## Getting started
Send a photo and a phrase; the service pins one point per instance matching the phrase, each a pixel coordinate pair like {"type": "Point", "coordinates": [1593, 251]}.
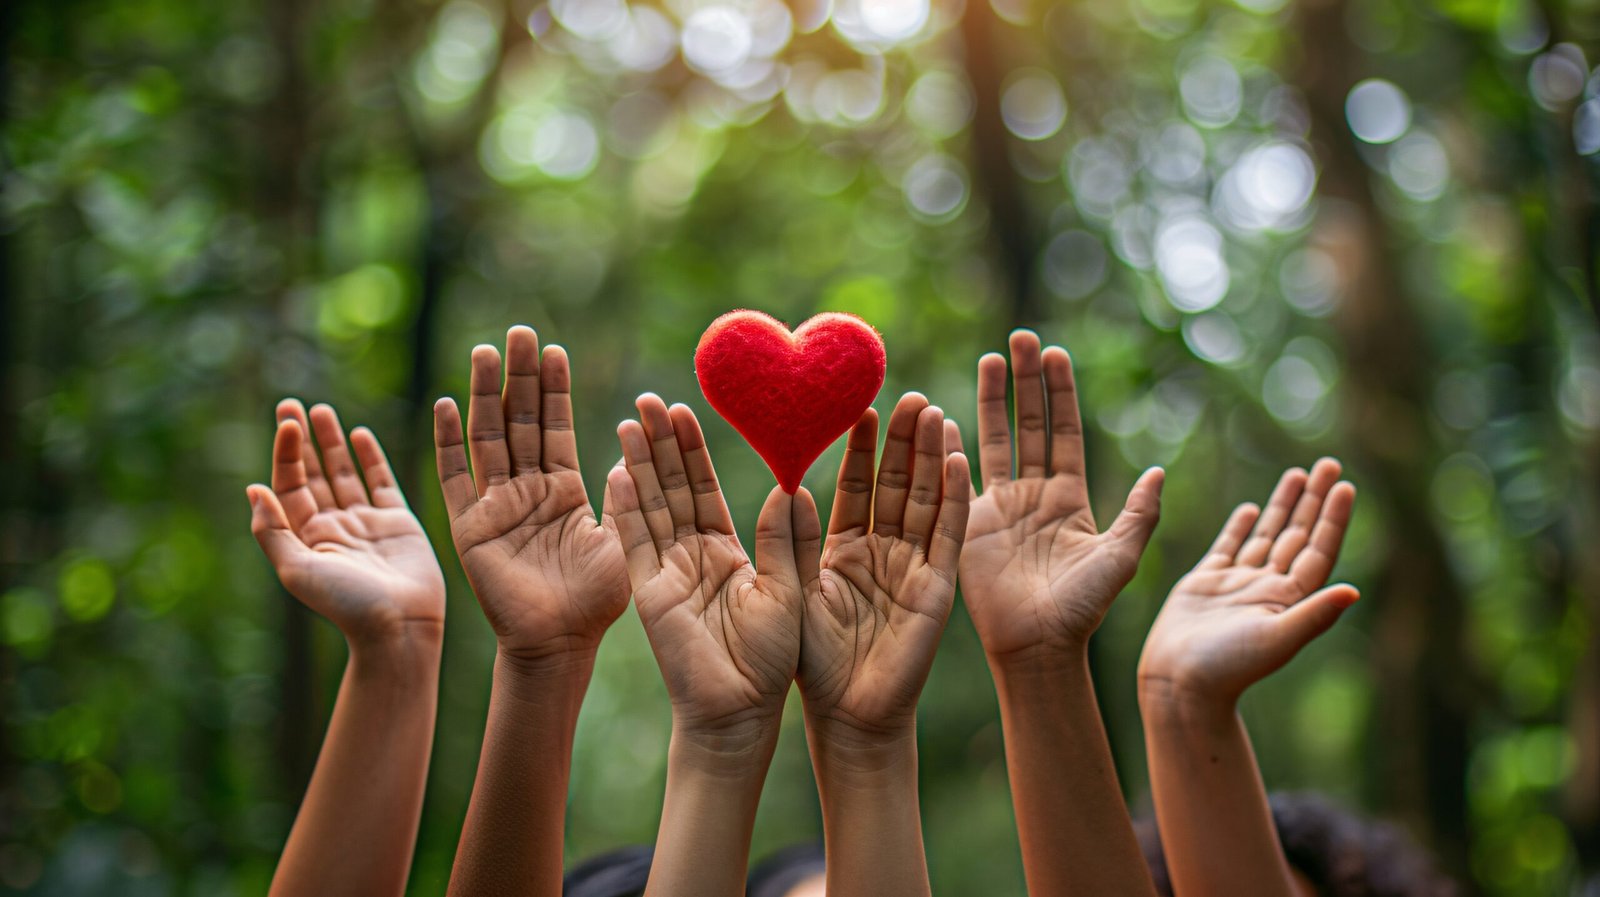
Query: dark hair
{"type": "Point", "coordinates": [619, 873]}
{"type": "Point", "coordinates": [780, 872]}
{"type": "Point", "coordinates": [1343, 854]}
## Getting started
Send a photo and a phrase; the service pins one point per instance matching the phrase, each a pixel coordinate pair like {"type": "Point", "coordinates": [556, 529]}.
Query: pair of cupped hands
{"type": "Point", "coordinates": [853, 615]}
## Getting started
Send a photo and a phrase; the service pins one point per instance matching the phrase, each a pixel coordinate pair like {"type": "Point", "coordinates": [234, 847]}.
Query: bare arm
{"type": "Point", "coordinates": [1254, 601]}
{"type": "Point", "coordinates": [875, 611]}
{"type": "Point", "coordinates": [354, 553]}
{"type": "Point", "coordinates": [1038, 577]}
{"type": "Point", "coordinates": [725, 632]}
{"type": "Point", "coordinates": [549, 577]}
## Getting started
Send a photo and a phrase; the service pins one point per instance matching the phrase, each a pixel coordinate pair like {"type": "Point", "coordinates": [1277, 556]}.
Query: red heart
{"type": "Point", "coordinates": [790, 394]}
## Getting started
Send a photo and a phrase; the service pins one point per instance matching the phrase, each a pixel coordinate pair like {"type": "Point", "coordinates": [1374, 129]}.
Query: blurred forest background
{"type": "Point", "coordinates": [1266, 229]}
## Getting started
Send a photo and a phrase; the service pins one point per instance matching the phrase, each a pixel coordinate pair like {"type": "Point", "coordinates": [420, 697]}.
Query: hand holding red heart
{"type": "Point", "coordinates": [878, 605]}
{"type": "Point", "coordinates": [726, 632]}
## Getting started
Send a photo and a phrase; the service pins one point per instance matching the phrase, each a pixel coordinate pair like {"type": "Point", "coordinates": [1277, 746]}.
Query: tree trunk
{"type": "Point", "coordinates": [1419, 742]}
{"type": "Point", "coordinates": [1016, 237]}
{"type": "Point", "coordinates": [285, 137]}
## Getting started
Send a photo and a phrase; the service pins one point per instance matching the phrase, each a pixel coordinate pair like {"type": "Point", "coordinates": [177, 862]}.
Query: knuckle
{"type": "Point", "coordinates": [893, 479]}
{"type": "Point", "coordinates": [855, 485]}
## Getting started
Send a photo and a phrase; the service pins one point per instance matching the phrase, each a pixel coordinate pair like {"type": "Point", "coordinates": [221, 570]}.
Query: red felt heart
{"type": "Point", "coordinates": [790, 394]}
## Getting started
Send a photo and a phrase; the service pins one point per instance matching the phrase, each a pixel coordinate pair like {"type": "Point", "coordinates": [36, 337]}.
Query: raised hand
{"type": "Point", "coordinates": [551, 580]}
{"type": "Point", "coordinates": [874, 613]}
{"type": "Point", "coordinates": [1254, 601]}
{"type": "Point", "coordinates": [1037, 574]}
{"type": "Point", "coordinates": [878, 605]}
{"type": "Point", "coordinates": [352, 552]}
{"type": "Point", "coordinates": [549, 576]}
{"type": "Point", "coordinates": [726, 633]}
{"type": "Point", "coordinates": [1257, 597]}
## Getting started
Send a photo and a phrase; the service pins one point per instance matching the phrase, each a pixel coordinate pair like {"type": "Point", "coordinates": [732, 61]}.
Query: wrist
{"type": "Point", "coordinates": [1041, 663]}
{"type": "Point", "coordinates": [730, 755]}
{"type": "Point", "coordinates": [551, 686]}
{"type": "Point", "coordinates": [857, 757]}
{"type": "Point", "coordinates": [404, 656]}
{"type": "Point", "coordinates": [1177, 699]}
{"type": "Point", "coordinates": [395, 636]}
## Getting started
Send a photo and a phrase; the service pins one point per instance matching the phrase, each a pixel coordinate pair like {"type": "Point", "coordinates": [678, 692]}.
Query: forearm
{"type": "Point", "coordinates": [871, 817]}
{"type": "Point", "coordinates": [357, 826]}
{"type": "Point", "coordinates": [707, 818]}
{"type": "Point", "coordinates": [1072, 820]}
{"type": "Point", "coordinates": [1211, 805]}
{"type": "Point", "coordinates": [512, 838]}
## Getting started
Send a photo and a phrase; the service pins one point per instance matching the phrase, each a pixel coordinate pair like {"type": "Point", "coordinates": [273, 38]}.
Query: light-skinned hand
{"type": "Point", "coordinates": [351, 551]}
{"type": "Point", "coordinates": [1257, 597]}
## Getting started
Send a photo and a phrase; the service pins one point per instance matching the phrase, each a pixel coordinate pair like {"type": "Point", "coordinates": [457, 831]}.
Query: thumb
{"type": "Point", "coordinates": [270, 525]}
{"type": "Point", "coordinates": [807, 538]}
{"type": "Point", "coordinates": [775, 548]}
{"type": "Point", "coordinates": [1140, 513]}
{"type": "Point", "coordinates": [1314, 615]}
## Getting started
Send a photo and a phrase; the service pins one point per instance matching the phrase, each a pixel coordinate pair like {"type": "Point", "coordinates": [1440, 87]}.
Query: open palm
{"type": "Point", "coordinates": [726, 633]}
{"type": "Point", "coordinates": [1036, 572]}
{"type": "Point", "coordinates": [549, 576]}
{"type": "Point", "coordinates": [360, 559]}
{"type": "Point", "coordinates": [1257, 597]}
{"type": "Point", "coordinates": [879, 603]}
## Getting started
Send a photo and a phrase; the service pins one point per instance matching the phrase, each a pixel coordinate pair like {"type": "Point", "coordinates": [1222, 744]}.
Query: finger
{"type": "Point", "coordinates": [486, 422]}
{"type": "Point", "coordinates": [1306, 511]}
{"type": "Point", "coordinates": [852, 499]}
{"type": "Point", "coordinates": [952, 443]}
{"type": "Point", "coordinates": [521, 399]}
{"type": "Point", "coordinates": [1027, 378]}
{"type": "Point", "coordinates": [560, 450]}
{"type": "Point", "coordinates": [336, 461]}
{"type": "Point", "coordinates": [894, 469]}
{"type": "Point", "coordinates": [1273, 517]}
{"type": "Point", "coordinates": [944, 550]}
{"type": "Point", "coordinates": [1234, 532]}
{"type": "Point", "coordinates": [927, 478]}
{"type": "Point", "coordinates": [270, 525]}
{"type": "Point", "coordinates": [1316, 614]}
{"type": "Point", "coordinates": [670, 471]}
{"type": "Point", "coordinates": [775, 554]}
{"type": "Point", "coordinates": [621, 504]}
{"type": "Point", "coordinates": [710, 507]}
{"type": "Point", "coordinates": [994, 423]}
{"type": "Point", "coordinates": [375, 467]}
{"type": "Point", "coordinates": [641, 467]}
{"type": "Point", "coordinates": [807, 539]}
{"type": "Point", "coordinates": [1314, 565]}
{"type": "Point", "coordinates": [1066, 427]}
{"type": "Point", "coordinates": [289, 479]}
{"type": "Point", "coordinates": [315, 480]}
{"type": "Point", "coordinates": [455, 478]}
{"type": "Point", "coordinates": [1140, 513]}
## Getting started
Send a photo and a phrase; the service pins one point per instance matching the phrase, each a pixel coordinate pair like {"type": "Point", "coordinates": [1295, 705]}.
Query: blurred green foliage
{"type": "Point", "coordinates": [1266, 229]}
